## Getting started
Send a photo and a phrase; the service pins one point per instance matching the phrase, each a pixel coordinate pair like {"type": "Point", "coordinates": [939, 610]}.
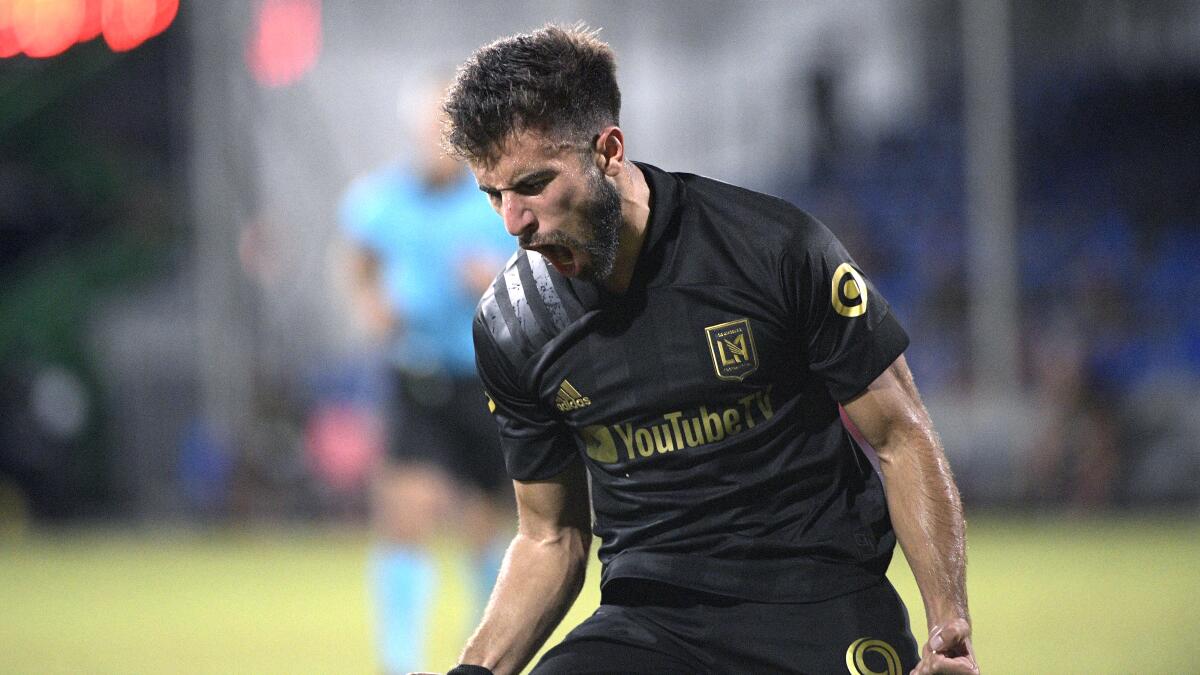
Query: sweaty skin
{"type": "Point", "coordinates": [543, 571]}
{"type": "Point", "coordinates": [926, 512]}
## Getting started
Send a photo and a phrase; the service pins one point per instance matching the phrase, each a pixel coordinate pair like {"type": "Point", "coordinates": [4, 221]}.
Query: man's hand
{"type": "Point", "coordinates": [948, 650]}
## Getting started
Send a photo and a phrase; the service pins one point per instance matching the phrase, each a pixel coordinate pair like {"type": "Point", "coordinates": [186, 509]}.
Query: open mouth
{"type": "Point", "coordinates": [561, 257]}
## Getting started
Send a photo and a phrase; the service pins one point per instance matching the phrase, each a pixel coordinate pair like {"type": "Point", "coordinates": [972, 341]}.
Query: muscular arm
{"type": "Point", "coordinates": [542, 572]}
{"type": "Point", "coordinates": [925, 508]}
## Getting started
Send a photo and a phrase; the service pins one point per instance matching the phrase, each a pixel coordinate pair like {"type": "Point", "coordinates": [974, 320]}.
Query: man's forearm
{"type": "Point", "coordinates": [927, 515]}
{"type": "Point", "coordinates": [537, 584]}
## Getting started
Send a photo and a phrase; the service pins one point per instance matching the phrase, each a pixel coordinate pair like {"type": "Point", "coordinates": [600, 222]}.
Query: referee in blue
{"type": "Point", "coordinates": [423, 246]}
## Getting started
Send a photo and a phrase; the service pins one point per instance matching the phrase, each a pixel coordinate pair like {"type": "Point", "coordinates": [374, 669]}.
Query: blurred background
{"type": "Point", "coordinates": [180, 370]}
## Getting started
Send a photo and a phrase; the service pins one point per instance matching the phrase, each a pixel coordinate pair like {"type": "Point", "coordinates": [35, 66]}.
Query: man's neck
{"type": "Point", "coordinates": [635, 216]}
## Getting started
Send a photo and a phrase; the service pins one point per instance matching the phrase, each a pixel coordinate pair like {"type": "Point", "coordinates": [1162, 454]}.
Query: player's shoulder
{"type": "Point", "coordinates": [527, 305]}
{"type": "Point", "coordinates": [770, 222]}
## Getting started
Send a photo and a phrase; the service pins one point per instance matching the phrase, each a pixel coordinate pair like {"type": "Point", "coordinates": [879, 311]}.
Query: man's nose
{"type": "Point", "coordinates": [518, 218]}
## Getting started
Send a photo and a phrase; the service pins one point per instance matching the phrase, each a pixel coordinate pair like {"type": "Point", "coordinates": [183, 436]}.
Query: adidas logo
{"type": "Point", "coordinates": [568, 398]}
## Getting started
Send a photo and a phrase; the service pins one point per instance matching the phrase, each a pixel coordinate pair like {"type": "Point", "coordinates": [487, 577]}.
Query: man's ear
{"type": "Point", "coordinates": [610, 151]}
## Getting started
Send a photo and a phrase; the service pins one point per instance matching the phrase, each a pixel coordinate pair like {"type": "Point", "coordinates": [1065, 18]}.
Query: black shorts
{"type": "Point", "coordinates": [649, 627]}
{"type": "Point", "coordinates": [444, 421]}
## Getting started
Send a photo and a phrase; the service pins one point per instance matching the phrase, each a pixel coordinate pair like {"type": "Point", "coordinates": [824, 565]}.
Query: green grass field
{"type": "Point", "coordinates": [1048, 596]}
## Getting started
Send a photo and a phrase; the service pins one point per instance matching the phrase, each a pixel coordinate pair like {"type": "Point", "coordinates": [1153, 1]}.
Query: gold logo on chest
{"type": "Point", "coordinates": [731, 345]}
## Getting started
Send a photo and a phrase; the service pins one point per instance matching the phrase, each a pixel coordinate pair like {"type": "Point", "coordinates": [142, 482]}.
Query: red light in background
{"type": "Point", "coordinates": [126, 23]}
{"type": "Point", "coordinates": [164, 14]}
{"type": "Point", "coordinates": [285, 41]}
{"type": "Point", "coordinates": [91, 21]}
{"type": "Point", "coordinates": [129, 23]}
{"type": "Point", "coordinates": [8, 41]}
{"type": "Point", "coordinates": [45, 28]}
{"type": "Point", "coordinates": [343, 442]}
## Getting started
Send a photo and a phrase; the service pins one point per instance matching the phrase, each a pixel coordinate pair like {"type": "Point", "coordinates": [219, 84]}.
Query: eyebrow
{"type": "Point", "coordinates": [523, 181]}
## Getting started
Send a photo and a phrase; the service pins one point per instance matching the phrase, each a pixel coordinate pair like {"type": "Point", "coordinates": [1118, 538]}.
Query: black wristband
{"type": "Point", "coordinates": [467, 669]}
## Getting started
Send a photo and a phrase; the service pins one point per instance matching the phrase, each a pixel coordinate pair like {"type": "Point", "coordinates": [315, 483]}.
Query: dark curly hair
{"type": "Point", "coordinates": [559, 80]}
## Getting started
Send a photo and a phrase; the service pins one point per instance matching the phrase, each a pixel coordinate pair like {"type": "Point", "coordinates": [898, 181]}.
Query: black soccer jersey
{"type": "Point", "coordinates": [703, 401]}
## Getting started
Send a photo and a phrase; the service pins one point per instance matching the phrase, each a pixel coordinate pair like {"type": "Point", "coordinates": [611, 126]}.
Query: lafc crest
{"type": "Point", "coordinates": [732, 347]}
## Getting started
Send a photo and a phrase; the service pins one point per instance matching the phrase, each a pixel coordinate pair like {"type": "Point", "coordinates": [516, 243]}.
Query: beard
{"type": "Point", "coordinates": [602, 220]}
{"type": "Point", "coordinates": [602, 213]}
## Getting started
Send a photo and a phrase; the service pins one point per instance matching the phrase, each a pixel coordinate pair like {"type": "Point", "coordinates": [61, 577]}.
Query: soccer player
{"type": "Point", "coordinates": [682, 346]}
{"type": "Point", "coordinates": [423, 247]}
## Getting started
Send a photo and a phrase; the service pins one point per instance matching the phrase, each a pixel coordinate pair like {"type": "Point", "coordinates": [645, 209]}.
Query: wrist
{"type": "Point", "coordinates": [943, 612]}
{"type": "Point", "coordinates": [469, 669]}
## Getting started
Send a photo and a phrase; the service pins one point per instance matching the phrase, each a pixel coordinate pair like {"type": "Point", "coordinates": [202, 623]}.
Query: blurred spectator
{"type": "Point", "coordinates": [1075, 456]}
{"type": "Point", "coordinates": [1109, 248]}
{"type": "Point", "coordinates": [425, 245]}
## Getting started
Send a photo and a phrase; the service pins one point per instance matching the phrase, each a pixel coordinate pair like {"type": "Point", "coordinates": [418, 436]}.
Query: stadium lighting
{"type": "Point", "coordinates": [285, 41]}
{"type": "Point", "coordinates": [47, 28]}
{"type": "Point", "coordinates": [128, 23]}
{"type": "Point", "coordinates": [92, 24]}
{"type": "Point", "coordinates": [8, 40]}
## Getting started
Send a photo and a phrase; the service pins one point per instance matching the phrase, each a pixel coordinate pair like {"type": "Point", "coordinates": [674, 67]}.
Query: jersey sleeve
{"type": "Point", "coordinates": [849, 333]}
{"type": "Point", "coordinates": [536, 445]}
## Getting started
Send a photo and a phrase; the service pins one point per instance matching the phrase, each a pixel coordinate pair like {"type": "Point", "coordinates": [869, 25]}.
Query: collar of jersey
{"type": "Point", "coordinates": [664, 198]}
{"type": "Point", "coordinates": [664, 202]}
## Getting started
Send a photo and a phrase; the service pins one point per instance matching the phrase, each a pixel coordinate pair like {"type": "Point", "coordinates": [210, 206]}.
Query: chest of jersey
{"type": "Point", "coordinates": [670, 375]}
